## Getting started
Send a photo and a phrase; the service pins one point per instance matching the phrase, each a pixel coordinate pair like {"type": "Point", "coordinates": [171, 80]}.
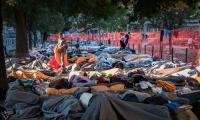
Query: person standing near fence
{"type": "Point", "coordinates": [127, 36]}
{"type": "Point", "coordinates": [122, 44]}
{"type": "Point", "coordinates": [77, 46]}
{"type": "Point", "coordinates": [124, 41]}
{"type": "Point", "coordinates": [109, 42]}
{"type": "Point", "coordinates": [60, 53]}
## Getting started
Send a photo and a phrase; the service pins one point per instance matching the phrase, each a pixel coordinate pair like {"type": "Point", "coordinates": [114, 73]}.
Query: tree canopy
{"type": "Point", "coordinates": [57, 15]}
{"type": "Point", "coordinates": [51, 15]}
{"type": "Point", "coordinates": [111, 15]}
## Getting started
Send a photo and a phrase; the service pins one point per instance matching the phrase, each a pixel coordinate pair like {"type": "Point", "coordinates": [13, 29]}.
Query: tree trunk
{"type": "Point", "coordinates": [41, 36]}
{"type": "Point", "coordinates": [30, 40]}
{"type": "Point", "coordinates": [41, 41]}
{"type": "Point", "coordinates": [21, 34]}
{"type": "Point", "coordinates": [3, 79]}
{"type": "Point", "coordinates": [35, 39]}
{"type": "Point", "coordinates": [44, 38]}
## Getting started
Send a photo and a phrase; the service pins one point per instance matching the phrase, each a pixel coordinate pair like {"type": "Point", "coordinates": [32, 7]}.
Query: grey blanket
{"type": "Point", "coordinates": [115, 109]}
{"type": "Point", "coordinates": [61, 107]}
{"type": "Point", "coordinates": [23, 105]}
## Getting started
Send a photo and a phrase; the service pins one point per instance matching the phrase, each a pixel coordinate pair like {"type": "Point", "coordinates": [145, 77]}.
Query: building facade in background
{"type": "Point", "coordinates": [9, 39]}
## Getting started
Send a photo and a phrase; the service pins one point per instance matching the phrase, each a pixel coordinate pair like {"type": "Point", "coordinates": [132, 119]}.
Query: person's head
{"type": "Point", "coordinates": [63, 38]}
{"type": "Point", "coordinates": [60, 35]}
{"type": "Point", "coordinates": [48, 38]}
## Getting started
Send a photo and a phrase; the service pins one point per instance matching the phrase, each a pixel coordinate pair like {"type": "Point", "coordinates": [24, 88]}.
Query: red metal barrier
{"type": "Point", "coordinates": [179, 41]}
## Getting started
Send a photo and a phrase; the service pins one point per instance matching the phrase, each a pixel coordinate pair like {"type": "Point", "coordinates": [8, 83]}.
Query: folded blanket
{"type": "Point", "coordinates": [116, 87]}
{"type": "Point", "coordinates": [115, 109]}
{"type": "Point", "coordinates": [23, 105]}
{"type": "Point", "coordinates": [61, 107]}
{"type": "Point", "coordinates": [29, 74]}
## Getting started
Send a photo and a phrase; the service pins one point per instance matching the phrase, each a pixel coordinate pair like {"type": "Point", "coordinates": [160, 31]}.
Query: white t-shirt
{"type": "Point", "coordinates": [122, 38]}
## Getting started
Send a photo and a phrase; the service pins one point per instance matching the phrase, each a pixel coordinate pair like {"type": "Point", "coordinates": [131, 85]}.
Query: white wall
{"type": "Point", "coordinates": [9, 38]}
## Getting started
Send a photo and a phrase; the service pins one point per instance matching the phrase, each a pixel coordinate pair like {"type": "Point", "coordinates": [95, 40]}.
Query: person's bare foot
{"type": "Point", "coordinates": [59, 73]}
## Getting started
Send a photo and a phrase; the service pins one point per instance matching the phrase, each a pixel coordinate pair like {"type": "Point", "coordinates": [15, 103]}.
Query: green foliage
{"type": "Point", "coordinates": [196, 11]}
{"type": "Point", "coordinates": [10, 2]}
{"type": "Point", "coordinates": [56, 15]}
{"type": "Point", "coordinates": [152, 8]}
{"type": "Point", "coordinates": [115, 23]}
{"type": "Point", "coordinates": [174, 18]}
{"type": "Point", "coordinates": [49, 21]}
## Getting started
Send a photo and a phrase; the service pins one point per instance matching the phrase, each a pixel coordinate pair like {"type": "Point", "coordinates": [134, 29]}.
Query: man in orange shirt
{"type": "Point", "coordinates": [61, 53]}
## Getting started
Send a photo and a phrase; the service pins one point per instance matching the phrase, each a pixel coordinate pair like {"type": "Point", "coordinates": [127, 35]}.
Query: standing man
{"type": "Point", "coordinates": [122, 44]}
{"type": "Point", "coordinates": [127, 36]}
{"type": "Point", "coordinates": [77, 46]}
{"type": "Point", "coordinates": [124, 40]}
{"type": "Point", "coordinates": [109, 42]}
{"type": "Point", "coordinates": [61, 52]}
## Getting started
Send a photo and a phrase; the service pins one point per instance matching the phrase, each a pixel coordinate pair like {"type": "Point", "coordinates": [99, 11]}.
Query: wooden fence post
{"type": "Point", "coordinates": [172, 54]}
{"type": "Point", "coordinates": [186, 55]}
{"type": "Point", "coordinates": [152, 51]}
{"type": "Point", "coordinates": [161, 53]}
{"type": "Point", "coordinates": [139, 49]}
